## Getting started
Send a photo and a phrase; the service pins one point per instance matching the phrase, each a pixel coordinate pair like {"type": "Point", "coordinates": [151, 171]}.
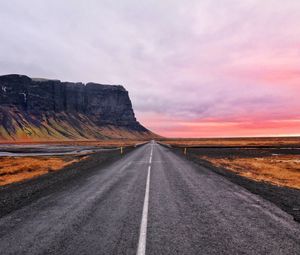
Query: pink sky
{"type": "Point", "coordinates": [193, 69]}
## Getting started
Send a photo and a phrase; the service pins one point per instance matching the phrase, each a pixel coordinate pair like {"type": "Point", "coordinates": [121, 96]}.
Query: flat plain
{"type": "Point", "coordinates": [23, 161]}
{"type": "Point", "coordinates": [275, 160]}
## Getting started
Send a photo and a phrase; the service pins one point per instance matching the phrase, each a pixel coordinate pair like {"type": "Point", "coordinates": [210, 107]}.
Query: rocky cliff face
{"type": "Point", "coordinates": [35, 108]}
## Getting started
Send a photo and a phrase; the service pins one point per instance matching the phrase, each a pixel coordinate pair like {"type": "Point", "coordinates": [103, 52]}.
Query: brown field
{"type": "Point", "coordinates": [279, 170]}
{"type": "Point", "coordinates": [14, 169]}
{"type": "Point", "coordinates": [275, 160]}
{"type": "Point", "coordinates": [100, 143]}
{"type": "Point", "coordinates": [256, 141]}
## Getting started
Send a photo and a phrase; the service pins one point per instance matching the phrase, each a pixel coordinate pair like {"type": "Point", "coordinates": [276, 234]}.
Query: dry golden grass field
{"type": "Point", "coordinates": [14, 169]}
{"type": "Point", "coordinates": [256, 141]}
{"type": "Point", "coordinates": [278, 170]}
{"type": "Point", "coordinates": [274, 160]}
{"type": "Point", "coordinates": [100, 143]}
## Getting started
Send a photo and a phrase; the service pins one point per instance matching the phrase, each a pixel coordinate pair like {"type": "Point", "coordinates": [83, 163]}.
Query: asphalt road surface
{"type": "Point", "coordinates": [152, 201]}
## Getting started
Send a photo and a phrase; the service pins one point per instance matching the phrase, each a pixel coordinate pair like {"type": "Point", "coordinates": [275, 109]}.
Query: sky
{"type": "Point", "coordinates": [199, 68]}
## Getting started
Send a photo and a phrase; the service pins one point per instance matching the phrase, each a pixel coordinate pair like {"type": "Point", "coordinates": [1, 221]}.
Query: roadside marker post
{"type": "Point", "coordinates": [121, 149]}
{"type": "Point", "coordinates": [184, 151]}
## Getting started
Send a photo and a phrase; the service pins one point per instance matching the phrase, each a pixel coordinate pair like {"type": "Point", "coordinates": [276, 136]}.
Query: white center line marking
{"type": "Point", "coordinates": [150, 159]}
{"type": "Point", "coordinates": [143, 230]}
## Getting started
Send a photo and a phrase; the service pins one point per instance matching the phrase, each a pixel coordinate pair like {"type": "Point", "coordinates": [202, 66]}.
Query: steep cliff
{"type": "Point", "coordinates": [40, 109]}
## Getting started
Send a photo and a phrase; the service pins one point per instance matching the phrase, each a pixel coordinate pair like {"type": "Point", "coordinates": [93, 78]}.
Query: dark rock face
{"type": "Point", "coordinates": [102, 104]}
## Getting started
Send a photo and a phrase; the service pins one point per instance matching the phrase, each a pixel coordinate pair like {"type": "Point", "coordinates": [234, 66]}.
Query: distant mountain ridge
{"type": "Point", "coordinates": [42, 109]}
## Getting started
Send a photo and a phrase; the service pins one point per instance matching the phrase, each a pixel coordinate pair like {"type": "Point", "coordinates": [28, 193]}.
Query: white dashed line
{"type": "Point", "coordinates": [143, 230]}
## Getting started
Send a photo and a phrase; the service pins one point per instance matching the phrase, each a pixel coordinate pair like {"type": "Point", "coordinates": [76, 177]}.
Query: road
{"type": "Point", "coordinates": [152, 201]}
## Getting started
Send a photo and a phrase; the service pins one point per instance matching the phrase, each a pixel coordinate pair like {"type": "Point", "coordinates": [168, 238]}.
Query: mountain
{"type": "Point", "coordinates": [41, 109]}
